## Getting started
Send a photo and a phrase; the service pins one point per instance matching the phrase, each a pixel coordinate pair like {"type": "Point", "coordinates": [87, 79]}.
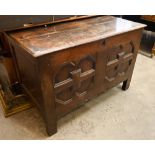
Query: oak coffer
{"type": "Point", "coordinates": [62, 66]}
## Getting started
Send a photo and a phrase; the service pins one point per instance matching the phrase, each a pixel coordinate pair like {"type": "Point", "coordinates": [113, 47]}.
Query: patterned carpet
{"type": "Point", "coordinates": [116, 114]}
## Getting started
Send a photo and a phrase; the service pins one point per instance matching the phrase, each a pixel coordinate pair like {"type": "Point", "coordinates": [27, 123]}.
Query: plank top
{"type": "Point", "coordinates": [46, 39]}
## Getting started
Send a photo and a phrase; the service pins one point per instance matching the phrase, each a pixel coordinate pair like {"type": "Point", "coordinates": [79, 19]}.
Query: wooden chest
{"type": "Point", "coordinates": [64, 65]}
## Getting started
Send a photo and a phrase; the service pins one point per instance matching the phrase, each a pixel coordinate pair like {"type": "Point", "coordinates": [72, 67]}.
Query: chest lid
{"type": "Point", "coordinates": [46, 39]}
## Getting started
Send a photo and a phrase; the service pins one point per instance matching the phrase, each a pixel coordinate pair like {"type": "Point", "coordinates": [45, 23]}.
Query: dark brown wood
{"type": "Point", "coordinates": [148, 17]}
{"type": "Point", "coordinates": [65, 65]}
{"type": "Point", "coordinates": [15, 102]}
{"type": "Point", "coordinates": [12, 22]}
{"type": "Point", "coordinates": [47, 95]}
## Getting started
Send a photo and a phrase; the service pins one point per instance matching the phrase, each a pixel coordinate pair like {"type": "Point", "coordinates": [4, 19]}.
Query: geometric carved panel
{"type": "Point", "coordinates": [87, 65]}
{"type": "Point", "coordinates": [119, 61]}
{"type": "Point", "coordinates": [73, 79]}
{"type": "Point", "coordinates": [63, 73]}
{"type": "Point", "coordinates": [64, 83]}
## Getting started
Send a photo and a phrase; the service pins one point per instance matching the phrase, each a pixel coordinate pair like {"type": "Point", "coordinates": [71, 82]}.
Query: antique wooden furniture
{"type": "Point", "coordinates": [62, 66]}
{"type": "Point", "coordinates": [12, 96]}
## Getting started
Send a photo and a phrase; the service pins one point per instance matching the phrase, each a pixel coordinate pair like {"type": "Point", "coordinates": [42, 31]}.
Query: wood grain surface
{"type": "Point", "coordinates": [45, 39]}
{"type": "Point", "coordinates": [62, 66]}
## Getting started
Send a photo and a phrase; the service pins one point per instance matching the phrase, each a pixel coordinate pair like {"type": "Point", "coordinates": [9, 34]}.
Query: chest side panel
{"type": "Point", "coordinates": [27, 71]}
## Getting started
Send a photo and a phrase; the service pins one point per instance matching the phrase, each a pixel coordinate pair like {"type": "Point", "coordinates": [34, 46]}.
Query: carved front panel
{"type": "Point", "coordinates": [119, 61]}
{"type": "Point", "coordinates": [73, 80]}
{"type": "Point", "coordinates": [64, 83]}
{"type": "Point", "coordinates": [87, 66]}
